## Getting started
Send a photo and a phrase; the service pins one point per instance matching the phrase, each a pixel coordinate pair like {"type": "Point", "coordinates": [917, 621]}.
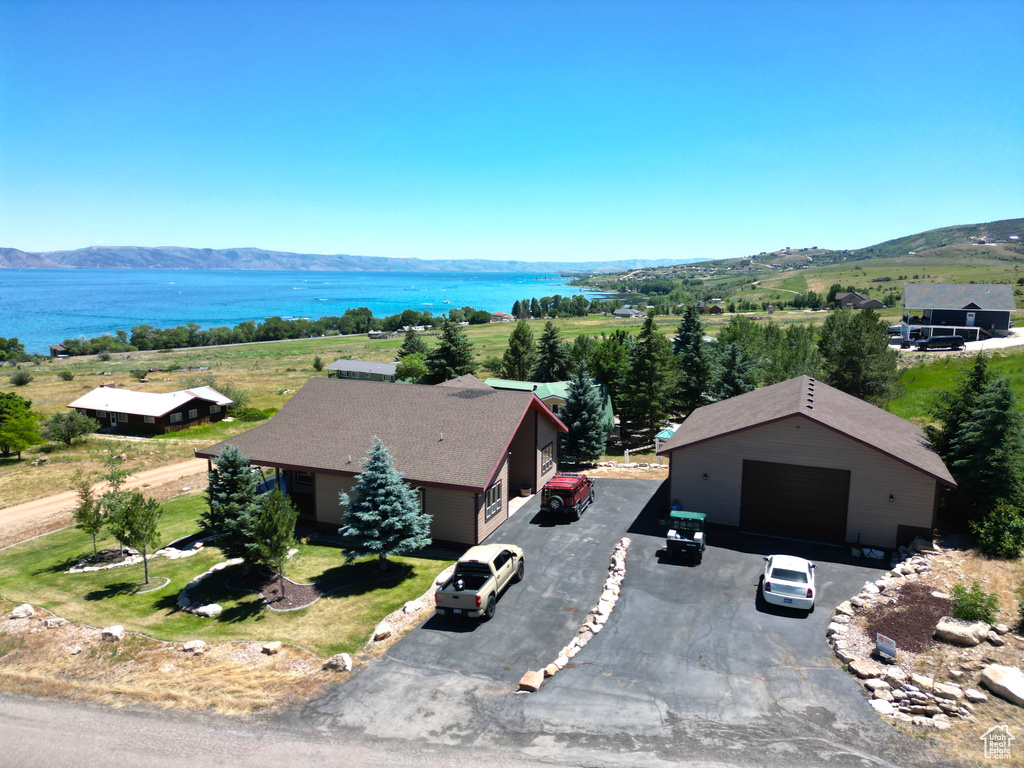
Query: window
{"type": "Point", "coordinates": [303, 478]}
{"type": "Point", "coordinates": [175, 418]}
{"type": "Point", "coordinates": [101, 414]}
{"type": "Point", "coordinates": [149, 419]}
{"type": "Point", "coordinates": [420, 497]}
{"type": "Point", "coordinates": [214, 408]}
{"type": "Point", "coordinates": [555, 408]}
{"type": "Point", "coordinates": [193, 412]}
{"type": "Point", "coordinates": [122, 417]}
{"type": "Point", "coordinates": [492, 501]}
{"type": "Point", "coordinates": [366, 374]}
{"type": "Point", "coordinates": [547, 457]}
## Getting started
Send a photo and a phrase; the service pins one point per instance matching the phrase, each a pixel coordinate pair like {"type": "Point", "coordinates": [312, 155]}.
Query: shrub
{"type": "Point", "coordinates": [105, 357]}
{"type": "Point", "coordinates": [139, 374]}
{"type": "Point", "coordinates": [318, 364]}
{"type": "Point", "coordinates": [254, 414]}
{"type": "Point", "coordinates": [20, 378]}
{"type": "Point", "coordinates": [974, 604]}
{"type": "Point", "coordinates": [67, 375]}
{"type": "Point", "coordinates": [1001, 532]}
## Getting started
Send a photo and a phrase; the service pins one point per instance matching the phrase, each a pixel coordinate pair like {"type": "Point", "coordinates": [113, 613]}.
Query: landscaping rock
{"type": "Point", "coordinates": [947, 691]}
{"type": "Point", "coordinates": [339, 662]}
{"type": "Point", "coordinates": [561, 661]}
{"type": "Point", "coordinates": [857, 602]}
{"type": "Point", "coordinates": [975, 696]}
{"type": "Point", "coordinates": [995, 639]}
{"type": "Point", "coordinates": [1002, 629]}
{"type": "Point", "coordinates": [23, 611]}
{"type": "Point", "coordinates": [968, 633]}
{"type": "Point", "coordinates": [76, 650]}
{"type": "Point", "coordinates": [865, 668]}
{"type": "Point", "coordinates": [382, 632]}
{"type": "Point", "coordinates": [531, 681]}
{"type": "Point", "coordinates": [211, 610]}
{"type": "Point", "coordinates": [882, 707]}
{"type": "Point", "coordinates": [922, 682]}
{"type": "Point", "coordinates": [54, 622]}
{"type": "Point", "coordinates": [876, 684]}
{"type": "Point", "coordinates": [1007, 682]}
{"type": "Point", "coordinates": [550, 670]}
{"type": "Point", "coordinates": [835, 629]}
{"type": "Point", "coordinates": [195, 647]}
{"type": "Point", "coordinates": [845, 608]}
{"type": "Point", "coordinates": [112, 634]}
{"type": "Point", "coordinates": [272, 648]}
{"type": "Point", "coordinates": [895, 676]}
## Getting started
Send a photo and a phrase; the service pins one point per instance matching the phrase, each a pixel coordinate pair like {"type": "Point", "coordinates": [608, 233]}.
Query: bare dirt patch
{"type": "Point", "coordinates": [911, 620]}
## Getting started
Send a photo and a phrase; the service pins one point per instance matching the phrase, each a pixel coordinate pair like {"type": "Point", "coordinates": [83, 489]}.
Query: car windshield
{"type": "Point", "coordinates": [785, 574]}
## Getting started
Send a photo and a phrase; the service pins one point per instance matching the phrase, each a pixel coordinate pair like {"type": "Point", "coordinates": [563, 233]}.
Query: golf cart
{"type": "Point", "coordinates": [685, 535]}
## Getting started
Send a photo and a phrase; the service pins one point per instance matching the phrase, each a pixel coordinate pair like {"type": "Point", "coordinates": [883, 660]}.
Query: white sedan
{"type": "Point", "coordinates": [788, 581]}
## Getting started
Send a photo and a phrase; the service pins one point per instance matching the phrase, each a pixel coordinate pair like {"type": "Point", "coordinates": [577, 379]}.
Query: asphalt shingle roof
{"type": "Point", "coordinates": [807, 398]}
{"type": "Point", "coordinates": [145, 403]}
{"type": "Point", "coordinates": [957, 296]}
{"type": "Point", "coordinates": [449, 436]}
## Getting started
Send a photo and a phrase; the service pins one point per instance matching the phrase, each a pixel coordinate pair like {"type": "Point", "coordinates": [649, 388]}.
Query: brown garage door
{"type": "Point", "coordinates": [795, 501]}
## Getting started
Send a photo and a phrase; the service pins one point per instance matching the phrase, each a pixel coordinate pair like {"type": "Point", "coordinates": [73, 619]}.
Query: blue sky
{"type": "Point", "coordinates": [506, 130]}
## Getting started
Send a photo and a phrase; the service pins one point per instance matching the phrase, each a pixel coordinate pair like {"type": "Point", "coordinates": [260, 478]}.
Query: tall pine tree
{"type": "Point", "coordinates": [647, 399]}
{"type": "Point", "coordinates": [953, 408]}
{"type": "Point", "coordinates": [694, 363]}
{"type": "Point", "coordinates": [552, 356]}
{"type": "Point", "coordinates": [736, 372]}
{"type": "Point", "coordinates": [856, 357]}
{"type": "Point", "coordinates": [585, 417]}
{"type": "Point", "coordinates": [384, 517]}
{"type": "Point", "coordinates": [452, 357]}
{"type": "Point", "coordinates": [231, 493]}
{"type": "Point", "coordinates": [412, 344]}
{"type": "Point", "coordinates": [521, 355]}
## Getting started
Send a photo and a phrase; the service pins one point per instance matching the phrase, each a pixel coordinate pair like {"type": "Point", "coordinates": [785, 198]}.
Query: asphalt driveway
{"type": "Point", "coordinates": [691, 667]}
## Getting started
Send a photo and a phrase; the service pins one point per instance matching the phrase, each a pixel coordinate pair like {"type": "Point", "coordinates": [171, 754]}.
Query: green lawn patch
{"type": "Point", "coordinates": [33, 572]}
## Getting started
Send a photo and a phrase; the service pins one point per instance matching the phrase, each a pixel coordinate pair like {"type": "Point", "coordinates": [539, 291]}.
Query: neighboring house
{"type": "Point", "coordinates": [465, 449]}
{"type": "Point", "coordinates": [554, 393]}
{"type": "Point", "coordinates": [361, 369]}
{"type": "Point", "coordinates": [58, 350]}
{"type": "Point", "coordinates": [501, 317]}
{"type": "Point", "coordinates": [802, 460]}
{"type": "Point", "coordinates": [944, 309]}
{"type": "Point", "coordinates": [625, 313]}
{"type": "Point", "coordinates": [703, 308]}
{"type": "Point", "coordinates": [152, 413]}
{"type": "Point", "coordinates": [857, 300]}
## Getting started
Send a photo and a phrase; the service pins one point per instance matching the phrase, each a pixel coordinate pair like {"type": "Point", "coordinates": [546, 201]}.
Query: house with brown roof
{"type": "Point", "coordinates": [803, 460]}
{"type": "Point", "coordinates": [152, 413]}
{"type": "Point", "coordinates": [466, 449]}
{"type": "Point", "coordinates": [857, 300]}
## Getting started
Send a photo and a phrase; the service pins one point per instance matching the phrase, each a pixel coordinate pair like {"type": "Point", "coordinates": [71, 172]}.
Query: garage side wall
{"type": "Point", "coordinates": [328, 510]}
{"type": "Point", "coordinates": [871, 518]}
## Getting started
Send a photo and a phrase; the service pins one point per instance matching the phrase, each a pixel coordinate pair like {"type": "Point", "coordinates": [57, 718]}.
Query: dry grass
{"type": "Point", "coordinates": [230, 678]}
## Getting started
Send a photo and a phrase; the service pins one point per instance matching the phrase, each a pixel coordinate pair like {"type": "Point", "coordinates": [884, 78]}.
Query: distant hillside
{"type": "Point", "coordinates": [174, 257]}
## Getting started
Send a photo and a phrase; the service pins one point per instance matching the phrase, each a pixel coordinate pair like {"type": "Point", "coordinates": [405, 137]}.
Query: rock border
{"type": "Point", "coordinates": [592, 624]}
{"type": "Point", "coordinates": [895, 694]}
{"type": "Point", "coordinates": [169, 552]}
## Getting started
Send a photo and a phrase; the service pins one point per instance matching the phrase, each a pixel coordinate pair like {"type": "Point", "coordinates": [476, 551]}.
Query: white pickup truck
{"type": "Point", "coordinates": [480, 576]}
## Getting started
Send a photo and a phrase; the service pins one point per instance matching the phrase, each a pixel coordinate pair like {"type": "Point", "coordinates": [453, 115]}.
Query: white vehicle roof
{"type": "Point", "coordinates": [790, 563]}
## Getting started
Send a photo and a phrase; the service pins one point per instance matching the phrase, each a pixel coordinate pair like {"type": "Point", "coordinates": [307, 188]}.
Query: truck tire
{"type": "Point", "coordinates": [555, 503]}
{"type": "Point", "coordinates": [520, 571]}
{"type": "Point", "coordinates": [489, 610]}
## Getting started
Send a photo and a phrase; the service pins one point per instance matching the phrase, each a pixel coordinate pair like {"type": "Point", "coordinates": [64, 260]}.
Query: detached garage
{"type": "Point", "coordinates": [803, 460]}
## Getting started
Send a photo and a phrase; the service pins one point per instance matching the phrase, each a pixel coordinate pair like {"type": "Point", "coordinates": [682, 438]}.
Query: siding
{"type": "Point", "coordinates": [328, 509]}
{"type": "Point", "coordinates": [453, 513]}
{"type": "Point", "coordinates": [546, 433]}
{"type": "Point", "coordinates": [487, 527]}
{"type": "Point", "coordinates": [523, 472]}
{"type": "Point", "coordinates": [871, 519]}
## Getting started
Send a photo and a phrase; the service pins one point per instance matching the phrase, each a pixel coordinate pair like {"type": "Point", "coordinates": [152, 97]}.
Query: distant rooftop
{"type": "Point", "coordinates": [363, 366]}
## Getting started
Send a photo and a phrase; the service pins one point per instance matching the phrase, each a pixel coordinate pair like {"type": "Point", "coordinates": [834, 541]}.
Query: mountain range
{"type": "Point", "coordinates": [175, 257]}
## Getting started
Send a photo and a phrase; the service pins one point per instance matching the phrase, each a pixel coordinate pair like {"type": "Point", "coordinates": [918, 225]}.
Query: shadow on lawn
{"type": "Point", "coordinates": [112, 590]}
{"type": "Point", "coordinates": [60, 566]}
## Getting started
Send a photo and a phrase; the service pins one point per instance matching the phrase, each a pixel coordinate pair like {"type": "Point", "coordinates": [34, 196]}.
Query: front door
{"type": "Point", "coordinates": [970, 319]}
{"type": "Point", "coordinates": [113, 419]}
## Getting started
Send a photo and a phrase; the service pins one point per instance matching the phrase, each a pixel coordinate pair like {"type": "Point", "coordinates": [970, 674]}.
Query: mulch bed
{"type": "Point", "coordinates": [911, 620]}
{"type": "Point", "coordinates": [300, 595]}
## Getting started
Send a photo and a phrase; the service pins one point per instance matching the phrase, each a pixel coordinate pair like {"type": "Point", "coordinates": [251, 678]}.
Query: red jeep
{"type": "Point", "coordinates": [567, 493]}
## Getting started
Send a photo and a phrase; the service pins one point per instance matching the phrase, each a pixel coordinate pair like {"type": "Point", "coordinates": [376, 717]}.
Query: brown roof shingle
{"type": "Point", "coordinates": [449, 436]}
{"type": "Point", "coordinates": [805, 397]}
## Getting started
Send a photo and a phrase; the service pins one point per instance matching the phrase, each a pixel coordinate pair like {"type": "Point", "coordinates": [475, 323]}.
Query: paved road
{"type": "Point", "coordinates": [62, 502]}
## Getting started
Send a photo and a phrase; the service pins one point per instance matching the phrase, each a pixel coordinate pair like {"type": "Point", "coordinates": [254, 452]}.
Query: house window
{"type": "Point", "coordinates": [193, 412]}
{"type": "Point", "coordinates": [366, 374]}
{"type": "Point", "coordinates": [555, 407]}
{"type": "Point", "coordinates": [303, 478]}
{"type": "Point", "coordinates": [175, 418]}
{"type": "Point", "coordinates": [492, 501]}
{"type": "Point", "coordinates": [149, 419]}
{"type": "Point", "coordinates": [214, 408]}
{"type": "Point", "coordinates": [122, 417]}
{"type": "Point", "coordinates": [101, 414]}
{"type": "Point", "coordinates": [547, 457]}
{"type": "Point", "coordinates": [420, 498]}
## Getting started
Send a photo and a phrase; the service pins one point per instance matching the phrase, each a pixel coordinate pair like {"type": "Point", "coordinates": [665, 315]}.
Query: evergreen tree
{"type": "Point", "coordinates": [953, 408]}
{"type": "Point", "coordinates": [452, 357]}
{"type": "Point", "coordinates": [412, 344]}
{"type": "Point", "coordinates": [582, 350]}
{"type": "Point", "coordinates": [88, 513]}
{"type": "Point", "coordinates": [552, 356]}
{"type": "Point", "coordinates": [987, 452]}
{"type": "Point", "coordinates": [274, 531]}
{"type": "Point", "coordinates": [521, 355]}
{"type": "Point", "coordinates": [517, 310]}
{"type": "Point", "coordinates": [648, 391]}
{"type": "Point", "coordinates": [611, 362]}
{"type": "Point", "coordinates": [231, 494]}
{"type": "Point", "coordinates": [856, 357]}
{"type": "Point", "coordinates": [384, 518]}
{"type": "Point", "coordinates": [535, 308]}
{"type": "Point", "coordinates": [736, 373]}
{"type": "Point", "coordinates": [585, 418]}
{"type": "Point", "coordinates": [136, 525]}
{"type": "Point", "coordinates": [694, 363]}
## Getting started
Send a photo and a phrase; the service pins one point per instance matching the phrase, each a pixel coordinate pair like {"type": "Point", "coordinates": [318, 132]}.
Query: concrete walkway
{"type": "Point", "coordinates": [62, 502]}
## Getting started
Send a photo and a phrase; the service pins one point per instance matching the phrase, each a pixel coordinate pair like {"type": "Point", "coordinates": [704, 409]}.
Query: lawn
{"type": "Point", "coordinates": [33, 572]}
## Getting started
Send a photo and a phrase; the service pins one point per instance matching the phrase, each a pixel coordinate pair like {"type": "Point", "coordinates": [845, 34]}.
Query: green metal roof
{"type": "Point", "coordinates": [559, 389]}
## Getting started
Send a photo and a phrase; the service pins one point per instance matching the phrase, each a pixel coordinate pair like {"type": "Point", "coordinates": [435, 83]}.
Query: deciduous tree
{"type": "Point", "coordinates": [68, 426]}
{"type": "Point", "coordinates": [137, 524]}
{"type": "Point", "coordinates": [88, 512]}
{"type": "Point", "coordinates": [411, 368]}
{"type": "Point", "coordinates": [383, 515]}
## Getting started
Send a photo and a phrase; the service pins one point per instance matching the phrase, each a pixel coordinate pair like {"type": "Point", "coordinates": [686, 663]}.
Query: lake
{"type": "Point", "coordinates": [45, 306]}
